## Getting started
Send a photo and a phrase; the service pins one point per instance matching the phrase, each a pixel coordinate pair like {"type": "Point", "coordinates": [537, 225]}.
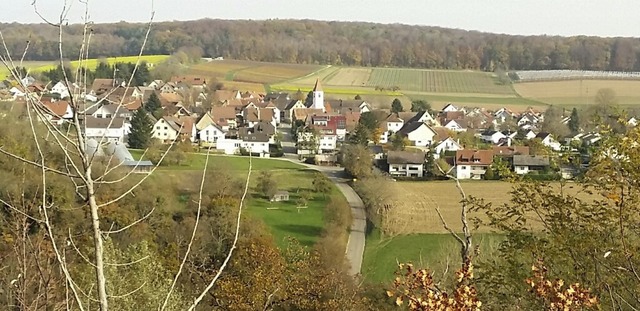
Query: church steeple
{"type": "Point", "coordinates": [317, 87]}
{"type": "Point", "coordinates": [318, 96]}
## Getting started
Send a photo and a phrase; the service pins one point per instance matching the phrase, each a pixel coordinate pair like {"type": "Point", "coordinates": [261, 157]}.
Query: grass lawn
{"type": "Point", "coordinates": [431, 251]}
{"type": "Point", "coordinates": [283, 219]}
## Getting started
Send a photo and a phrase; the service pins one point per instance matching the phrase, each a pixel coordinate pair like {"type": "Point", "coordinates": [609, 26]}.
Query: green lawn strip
{"type": "Point", "coordinates": [430, 251]}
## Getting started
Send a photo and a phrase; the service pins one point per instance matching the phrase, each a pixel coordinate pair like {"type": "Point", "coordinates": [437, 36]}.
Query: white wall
{"type": "Point", "coordinates": [162, 131]}
{"type": "Point", "coordinates": [211, 134]}
{"type": "Point", "coordinates": [406, 170]}
{"type": "Point", "coordinates": [111, 134]}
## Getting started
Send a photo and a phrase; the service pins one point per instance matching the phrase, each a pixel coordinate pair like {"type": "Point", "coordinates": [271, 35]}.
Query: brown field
{"type": "Point", "coordinates": [220, 68]}
{"type": "Point", "coordinates": [579, 92]}
{"type": "Point", "coordinates": [273, 72]}
{"type": "Point", "coordinates": [355, 76]}
{"type": "Point", "coordinates": [309, 80]}
{"type": "Point", "coordinates": [244, 86]}
{"type": "Point", "coordinates": [415, 203]}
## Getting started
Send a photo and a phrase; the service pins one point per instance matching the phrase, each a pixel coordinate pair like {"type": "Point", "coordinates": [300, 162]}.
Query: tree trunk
{"type": "Point", "coordinates": [97, 238]}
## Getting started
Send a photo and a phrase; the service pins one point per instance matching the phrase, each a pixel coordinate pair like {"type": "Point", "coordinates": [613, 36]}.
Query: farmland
{"type": "Point", "coordinates": [579, 92]}
{"type": "Point", "coordinates": [252, 72]}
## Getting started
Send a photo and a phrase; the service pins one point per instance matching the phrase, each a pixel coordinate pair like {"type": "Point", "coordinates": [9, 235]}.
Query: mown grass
{"type": "Point", "coordinates": [283, 219]}
{"type": "Point", "coordinates": [429, 251]}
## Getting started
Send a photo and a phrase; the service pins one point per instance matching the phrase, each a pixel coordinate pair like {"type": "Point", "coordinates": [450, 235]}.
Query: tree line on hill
{"type": "Point", "coordinates": [336, 43]}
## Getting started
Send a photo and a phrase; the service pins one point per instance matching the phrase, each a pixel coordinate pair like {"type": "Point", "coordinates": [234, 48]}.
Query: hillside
{"type": "Point", "coordinates": [338, 43]}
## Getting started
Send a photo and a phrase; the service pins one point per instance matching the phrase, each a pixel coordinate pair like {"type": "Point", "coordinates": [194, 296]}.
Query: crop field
{"type": "Point", "coordinates": [220, 68]}
{"type": "Point", "coordinates": [437, 81]}
{"type": "Point", "coordinates": [252, 72]}
{"type": "Point", "coordinates": [414, 206]}
{"type": "Point", "coordinates": [347, 76]}
{"type": "Point", "coordinates": [273, 73]}
{"type": "Point", "coordinates": [579, 92]}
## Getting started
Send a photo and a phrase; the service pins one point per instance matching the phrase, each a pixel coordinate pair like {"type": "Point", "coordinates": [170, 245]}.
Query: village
{"type": "Point", "coordinates": [314, 128]}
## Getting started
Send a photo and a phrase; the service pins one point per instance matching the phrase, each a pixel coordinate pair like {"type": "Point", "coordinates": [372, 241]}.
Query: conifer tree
{"type": "Point", "coordinates": [153, 103]}
{"type": "Point", "coordinates": [141, 130]}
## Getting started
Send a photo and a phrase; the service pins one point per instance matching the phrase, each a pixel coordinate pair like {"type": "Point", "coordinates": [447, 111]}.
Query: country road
{"type": "Point", "coordinates": [355, 245]}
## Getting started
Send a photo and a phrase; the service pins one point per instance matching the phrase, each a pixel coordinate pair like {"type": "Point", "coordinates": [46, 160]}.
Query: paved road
{"type": "Point", "coordinates": [355, 245]}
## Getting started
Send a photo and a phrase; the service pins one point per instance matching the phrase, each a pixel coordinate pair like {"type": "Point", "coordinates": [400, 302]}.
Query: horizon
{"type": "Point", "coordinates": [512, 17]}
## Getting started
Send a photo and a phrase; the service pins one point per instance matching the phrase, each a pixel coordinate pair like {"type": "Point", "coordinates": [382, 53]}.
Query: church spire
{"type": "Point", "coordinates": [317, 87]}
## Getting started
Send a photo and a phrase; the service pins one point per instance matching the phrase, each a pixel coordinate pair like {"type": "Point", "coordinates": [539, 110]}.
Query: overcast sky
{"type": "Point", "coordinates": [609, 18]}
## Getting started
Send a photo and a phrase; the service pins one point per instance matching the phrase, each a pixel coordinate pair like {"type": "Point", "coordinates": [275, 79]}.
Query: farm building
{"type": "Point", "coordinates": [280, 196]}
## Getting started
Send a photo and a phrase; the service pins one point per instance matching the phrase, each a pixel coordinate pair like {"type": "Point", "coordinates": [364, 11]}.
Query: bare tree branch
{"type": "Point", "coordinates": [235, 240]}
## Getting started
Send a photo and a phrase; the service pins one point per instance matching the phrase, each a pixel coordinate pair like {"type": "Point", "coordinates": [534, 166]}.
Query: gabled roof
{"type": "Point", "coordinates": [226, 113]}
{"type": "Point", "coordinates": [258, 114]}
{"type": "Point", "coordinates": [510, 150]}
{"type": "Point", "coordinates": [57, 109]}
{"type": "Point", "coordinates": [264, 127]}
{"type": "Point", "coordinates": [191, 80]}
{"type": "Point", "coordinates": [352, 119]}
{"type": "Point", "coordinates": [103, 123]}
{"type": "Point", "coordinates": [475, 157]}
{"type": "Point", "coordinates": [102, 85]}
{"type": "Point", "coordinates": [405, 157]}
{"type": "Point", "coordinates": [530, 160]}
{"type": "Point", "coordinates": [442, 133]}
{"type": "Point", "coordinates": [182, 125]}
{"type": "Point", "coordinates": [292, 103]}
{"type": "Point", "coordinates": [542, 135]}
{"type": "Point", "coordinates": [204, 121]}
{"type": "Point", "coordinates": [393, 117]}
{"type": "Point", "coordinates": [410, 127]}
{"type": "Point", "coordinates": [376, 149]}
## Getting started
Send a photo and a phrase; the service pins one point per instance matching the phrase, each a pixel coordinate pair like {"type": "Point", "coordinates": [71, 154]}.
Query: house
{"type": "Point", "coordinates": [111, 110]}
{"type": "Point", "coordinates": [377, 152]}
{"type": "Point", "coordinates": [390, 125]}
{"type": "Point", "coordinates": [280, 196]}
{"type": "Point", "coordinates": [210, 134]}
{"type": "Point", "coordinates": [503, 114]}
{"type": "Point", "coordinates": [256, 143]}
{"type": "Point", "coordinates": [101, 86]}
{"type": "Point", "coordinates": [456, 125]}
{"type": "Point", "coordinates": [254, 115]}
{"type": "Point", "coordinates": [450, 108]}
{"type": "Point", "coordinates": [192, 81]}
{"type": "Point", "coordinates": [548, 140]}
{"type": "Point", "coordinates": [317, 139]}
{"type": "Point", "coordinates": [418, 133]}
{"type": "Point", "coordinates": [338, 122]}
{"type": "Point", "coordinates": [524, 164]}
{"type": "Point", "coordinates": [155, 84]}
{"type": "Point", "coordinates": [60, 89]}
{"type": "Point", "coordinates": [168, 129]}
{"type": "Point", "coordinates": [58, 111]}
{"type": "Point", "coordinates": [341, 106]}
{"type": "Point", "coordinates": [509, 151]}
{"type": "Point", "coordinates": [633, 122]}
{"type": "Point", "coordinates": [491, 136]}
{"type": "Point", "coordinates": [529, 134]}
{"type": "Point", "coordinates": [291, 107]}
{"type": "Point", "coordinates": [472, 164]}
{"type": "Point", "coordinates": [225, 117]}
{"type": "Point", "coordinates": [111, 130]}
{"type": "Point", "coordinates": [448, 144]}
{"type": "Point", "coordinates": [406, 164]}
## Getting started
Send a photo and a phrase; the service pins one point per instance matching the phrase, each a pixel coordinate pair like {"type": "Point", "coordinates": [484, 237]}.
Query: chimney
{"type": "Point", "coordinates": [508, 141]}
{"type": "Point", "coordinates": [258, 112]}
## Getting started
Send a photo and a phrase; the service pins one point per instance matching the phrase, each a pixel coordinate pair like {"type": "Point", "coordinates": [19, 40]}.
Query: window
{"type": "Point", "coordinates": [165, 134]}
{"type": "Point", "coordinates": [463, 167]}
{"type": "Point", "coordinates": [157, 127]}
{"type": "Point", "coordinates": [165, 128]}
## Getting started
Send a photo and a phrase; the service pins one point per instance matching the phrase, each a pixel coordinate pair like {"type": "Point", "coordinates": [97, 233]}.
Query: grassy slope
{"type": "Point", "coordinates": [423, 250]}
{"type": "Point", "coordinates": [306, 225]}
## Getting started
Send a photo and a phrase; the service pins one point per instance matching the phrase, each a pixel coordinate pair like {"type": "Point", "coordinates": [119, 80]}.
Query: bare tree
{"type": "Point", "coordinates": [81, 169]}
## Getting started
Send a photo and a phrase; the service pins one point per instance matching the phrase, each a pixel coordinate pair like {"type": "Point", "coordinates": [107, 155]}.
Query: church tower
{"type": "Point", "coordinates": [318, 96]}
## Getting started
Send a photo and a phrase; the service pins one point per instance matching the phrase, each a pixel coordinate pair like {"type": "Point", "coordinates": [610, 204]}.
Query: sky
{"type": "Point", "coordinates": [607, 18]}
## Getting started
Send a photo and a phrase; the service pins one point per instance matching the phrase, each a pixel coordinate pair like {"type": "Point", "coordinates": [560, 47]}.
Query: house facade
{"type": "Point", "coordinates": [406, 164]}
{"type": "Point", "coordinates": [472, 164]}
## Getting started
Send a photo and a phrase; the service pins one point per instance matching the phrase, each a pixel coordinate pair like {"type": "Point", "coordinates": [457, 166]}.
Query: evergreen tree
{"type": "Point", "coordinates": [141, 130]}
{"type": "Point", "coordinates": [153, 103]}
{"type": "Point", "coordinates": [574, 122]}
{"type": "Point", "coordinates": [361, 135]}
{"type": "Point", "coordinates": [396, 106]}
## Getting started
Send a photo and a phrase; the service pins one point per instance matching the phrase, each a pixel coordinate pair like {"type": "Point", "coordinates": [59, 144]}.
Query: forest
{"type": "Point", "coordinates": [335, 43]}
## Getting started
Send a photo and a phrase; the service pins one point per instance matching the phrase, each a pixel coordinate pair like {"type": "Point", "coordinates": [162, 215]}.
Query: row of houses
{"type": "Point", "coordinates": [467, 163]}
